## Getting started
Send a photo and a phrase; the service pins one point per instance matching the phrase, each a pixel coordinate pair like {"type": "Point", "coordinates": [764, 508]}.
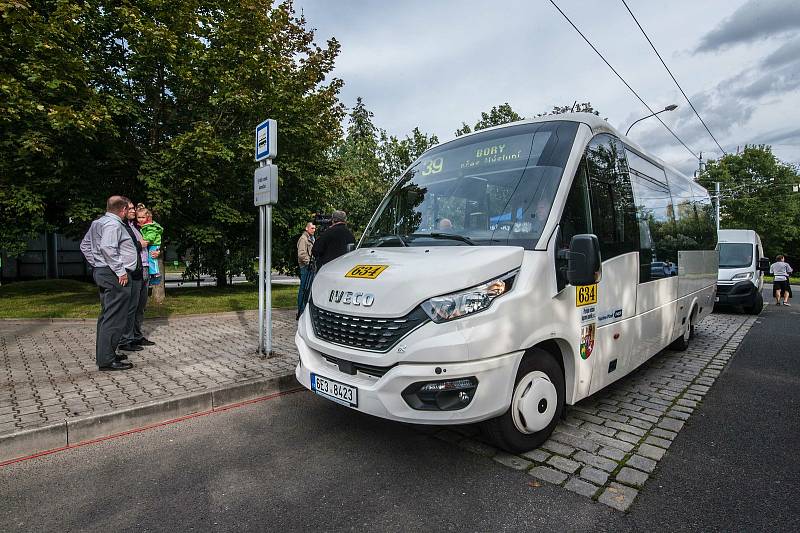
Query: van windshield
{"type": "Point", "coordinates": [492, 188]}
{"type": "Point", "coordinates": [735, 255]}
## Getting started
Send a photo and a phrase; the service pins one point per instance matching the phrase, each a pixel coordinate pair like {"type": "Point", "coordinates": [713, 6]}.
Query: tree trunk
{"type": "Point", "coordinates": [222, 278]}
{"type": "Point", "coordinates": [159, 291]}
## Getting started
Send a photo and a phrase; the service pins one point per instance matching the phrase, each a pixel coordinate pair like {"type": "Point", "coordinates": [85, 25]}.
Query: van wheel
{"type": "Point", "coordinates": [536, 405]}
{"type": "Point", "coordinates": [757, 306]}
{"type": "Point", "coordinates": [682, 342]}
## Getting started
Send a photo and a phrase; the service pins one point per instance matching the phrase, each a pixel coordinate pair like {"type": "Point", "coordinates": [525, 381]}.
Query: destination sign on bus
{"type": "Point", "coordinates": [477, 156]}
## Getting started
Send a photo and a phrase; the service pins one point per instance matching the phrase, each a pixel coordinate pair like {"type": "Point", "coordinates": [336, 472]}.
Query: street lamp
{"type": "Point", "coordinates": [671, 107]}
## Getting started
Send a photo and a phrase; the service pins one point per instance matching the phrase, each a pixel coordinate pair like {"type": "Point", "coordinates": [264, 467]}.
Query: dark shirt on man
{"type": "Point", "coordinates": [332, 244]}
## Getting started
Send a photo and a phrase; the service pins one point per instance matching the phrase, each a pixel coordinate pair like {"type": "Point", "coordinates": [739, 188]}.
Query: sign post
{"type": "Point", "coordinates": [265, 195]}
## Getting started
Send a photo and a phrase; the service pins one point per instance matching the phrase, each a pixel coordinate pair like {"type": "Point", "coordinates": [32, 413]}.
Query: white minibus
{"type": "Point", "coordinates": [508, 273]}
{"type": "Point", "coordinates": [741, 269]}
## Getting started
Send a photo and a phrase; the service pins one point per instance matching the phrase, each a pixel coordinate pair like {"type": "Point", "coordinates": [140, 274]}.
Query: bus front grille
{"type": "Point", "coordinates": [364, 333]}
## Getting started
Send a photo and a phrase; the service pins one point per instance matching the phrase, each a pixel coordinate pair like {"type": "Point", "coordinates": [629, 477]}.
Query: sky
{"type": "Point", "coordinates": [437, 63]}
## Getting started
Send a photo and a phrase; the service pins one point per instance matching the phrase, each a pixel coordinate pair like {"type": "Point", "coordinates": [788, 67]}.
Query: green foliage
{"type": "Point", "coordinates": [396, 155]}
{"type": "Point", "coordinates": [62, 298]}
{"type": "Point", "coordinates": [368, 162]}
{"type": "Point", "coordinates": [158, 101]}
{"type": "Point", "coordinates": [58, 122]}
{"type": "Point", "coordinates": [503, 114]}
{"type": "Point", "coordinates": [583, 107]}
{"type": "Point", "coordinates": [757, 193]}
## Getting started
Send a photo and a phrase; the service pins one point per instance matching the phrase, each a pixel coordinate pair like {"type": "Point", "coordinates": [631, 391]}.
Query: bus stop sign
{"type": "Point", "coordinates": [267, 140]}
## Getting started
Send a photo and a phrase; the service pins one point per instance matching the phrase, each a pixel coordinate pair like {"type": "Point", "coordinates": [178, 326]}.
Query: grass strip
{"type": "Point", "coordinates": [61, 298]}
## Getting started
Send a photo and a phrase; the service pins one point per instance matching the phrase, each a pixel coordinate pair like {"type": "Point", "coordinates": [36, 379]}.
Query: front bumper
{"type": "Point", "coordinates": [382, 396]}
{"type": "Point", "coordinates": [741, 293]}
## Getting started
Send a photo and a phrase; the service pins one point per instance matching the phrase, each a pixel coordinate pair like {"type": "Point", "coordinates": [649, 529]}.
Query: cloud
{"type": "Point", "coordinates": [787, 54]}
{"type": "Point", "coordinates": [776, 136]}
{"type": "Point", "coordinates": [755, 20]}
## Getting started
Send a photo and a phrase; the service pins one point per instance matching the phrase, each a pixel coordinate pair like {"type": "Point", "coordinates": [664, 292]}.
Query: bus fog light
{"type": "Point", "coordinates": [445, 395]}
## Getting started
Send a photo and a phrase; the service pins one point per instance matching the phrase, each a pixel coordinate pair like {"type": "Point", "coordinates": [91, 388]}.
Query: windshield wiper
{"type": "Point", "coordinates": [386, 238]}
{"type": "Point", "coordinates": [450, 236]}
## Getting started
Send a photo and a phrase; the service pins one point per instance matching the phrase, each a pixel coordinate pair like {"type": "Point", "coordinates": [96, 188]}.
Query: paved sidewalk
{"type": "Point", "coordinates": [48, 372]}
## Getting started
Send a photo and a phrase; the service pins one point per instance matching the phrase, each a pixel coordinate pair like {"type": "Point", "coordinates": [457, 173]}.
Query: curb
{"type": "Point", "coordinates": [81, 430]}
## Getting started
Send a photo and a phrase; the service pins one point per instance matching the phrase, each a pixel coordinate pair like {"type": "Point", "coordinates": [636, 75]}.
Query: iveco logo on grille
{"type": "Point", "coordinates": [363, 299]}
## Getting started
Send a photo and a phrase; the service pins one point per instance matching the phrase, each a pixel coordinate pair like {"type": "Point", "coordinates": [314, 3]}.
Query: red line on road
{"type": "Point", "coordinates": [151, 426]}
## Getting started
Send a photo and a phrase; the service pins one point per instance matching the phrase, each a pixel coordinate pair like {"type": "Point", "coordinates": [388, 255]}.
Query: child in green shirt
{"type": "Point", "coordinates": [151, 232]}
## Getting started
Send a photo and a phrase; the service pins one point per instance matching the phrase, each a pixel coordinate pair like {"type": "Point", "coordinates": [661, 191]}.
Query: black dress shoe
{"type": "Point", "coordinates": [121, 357]}
{"type": "Point", "coordinates": [116, 365]}
{"type": "Point", "coordinates": [143, 342]}
{"type": "Point", "coordinates": [130, 347]}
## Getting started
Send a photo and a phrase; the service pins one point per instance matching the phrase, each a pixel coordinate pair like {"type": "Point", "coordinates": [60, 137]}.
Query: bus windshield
{"type": "Point", "coordinates": [492, 188]}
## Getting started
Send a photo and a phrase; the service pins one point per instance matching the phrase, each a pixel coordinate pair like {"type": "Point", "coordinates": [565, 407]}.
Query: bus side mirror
{"type": "Point", "coordinates": [351, 247]}
{"type": "Point", "coordinates": [584, 266]}
{"type": "Point", "coordinates": [763, 265]}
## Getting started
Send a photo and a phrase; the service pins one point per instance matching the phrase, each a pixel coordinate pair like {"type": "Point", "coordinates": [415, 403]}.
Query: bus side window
{"type": "Point", "coordinates": [657, 257]}
{"type": "Point", "coordinates": [613, 209]}
{"type": "Point", "coordinates": [575, 220]}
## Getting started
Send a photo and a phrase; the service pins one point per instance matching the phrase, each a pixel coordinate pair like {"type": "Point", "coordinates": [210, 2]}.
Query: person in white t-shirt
{"type": "Point", "coordinates": [780, 285]}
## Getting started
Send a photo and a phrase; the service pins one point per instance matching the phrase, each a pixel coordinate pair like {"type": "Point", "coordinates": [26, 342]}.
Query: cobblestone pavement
{"type": "Point", "coordinates": [48, 372]}
{"type": "Point", "coordinates": [611, 442]}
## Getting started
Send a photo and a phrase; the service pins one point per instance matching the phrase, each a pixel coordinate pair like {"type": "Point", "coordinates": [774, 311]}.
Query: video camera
{"type": "Point", "coordinates": [322, 221]}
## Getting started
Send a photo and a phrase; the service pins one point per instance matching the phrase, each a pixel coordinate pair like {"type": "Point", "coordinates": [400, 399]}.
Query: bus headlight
{"type": "Point", "coordinates": [462, 303]}
{"type": "Point", "coordinates": [743, 275]}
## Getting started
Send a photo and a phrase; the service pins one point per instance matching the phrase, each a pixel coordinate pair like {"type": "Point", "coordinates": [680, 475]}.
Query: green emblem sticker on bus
{"type": "Point", "coordinates": [585, 295]}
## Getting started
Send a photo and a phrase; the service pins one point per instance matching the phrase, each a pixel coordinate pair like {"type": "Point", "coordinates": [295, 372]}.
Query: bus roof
{"type": "Point", "coordinates": [595, 123]}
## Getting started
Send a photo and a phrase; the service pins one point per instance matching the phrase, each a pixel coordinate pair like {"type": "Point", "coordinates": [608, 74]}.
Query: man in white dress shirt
{"type": "Point", "coordinates": [109, 249]}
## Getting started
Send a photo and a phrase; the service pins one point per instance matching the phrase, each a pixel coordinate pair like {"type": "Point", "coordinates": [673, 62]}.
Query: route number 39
{"type": "Point", "coordinates": [585, 295]}
{"type": "Point", "coordinates": [432, 166]}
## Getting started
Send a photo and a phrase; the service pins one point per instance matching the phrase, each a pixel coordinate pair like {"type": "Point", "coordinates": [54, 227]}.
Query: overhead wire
{"type": "Point", "coordinates": [622, 79]}
{"type": "Point", "coordinates": [672, 76]}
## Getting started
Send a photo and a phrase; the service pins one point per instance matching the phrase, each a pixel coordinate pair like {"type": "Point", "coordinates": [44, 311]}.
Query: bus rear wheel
{"type": "Point", "coordinates": [681, 344]}
{"type": "Point", "coordinates": [536, 405]}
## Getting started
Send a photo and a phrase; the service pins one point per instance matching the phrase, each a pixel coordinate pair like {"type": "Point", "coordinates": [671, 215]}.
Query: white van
{"type": "Point", "coordinates": [741, 269]}
{"type": "Point", "coordinates": [510, 272]}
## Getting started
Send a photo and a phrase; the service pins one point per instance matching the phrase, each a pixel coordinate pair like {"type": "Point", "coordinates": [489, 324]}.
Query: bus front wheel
{"type": "Point", "coordinates": [536, 405]}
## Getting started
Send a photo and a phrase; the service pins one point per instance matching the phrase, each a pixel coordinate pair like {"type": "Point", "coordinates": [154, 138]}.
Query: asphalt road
{"type": "Point", "coordinates": [735, 465]}
{"type": "Point", "coordinates": [299, 462]}
{"type": "Point", "coordinates": [293, 463]}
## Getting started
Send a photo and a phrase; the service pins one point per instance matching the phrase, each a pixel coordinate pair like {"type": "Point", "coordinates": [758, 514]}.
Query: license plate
{"type": "Point", "coordinates": [333, 390]}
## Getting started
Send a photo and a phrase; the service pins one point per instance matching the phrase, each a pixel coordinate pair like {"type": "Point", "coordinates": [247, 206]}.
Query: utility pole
{"type": "Point", "coordinates": [716, 187]}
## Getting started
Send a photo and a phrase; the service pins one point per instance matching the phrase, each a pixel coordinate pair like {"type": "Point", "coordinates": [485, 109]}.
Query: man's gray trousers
{"type": "Point", "coordinates": [114, 302]}
{"type": "Point", "coordinates": [133, 328]}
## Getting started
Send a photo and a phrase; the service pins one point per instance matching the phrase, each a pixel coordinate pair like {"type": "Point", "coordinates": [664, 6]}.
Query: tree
{"type": "Point", "coordinates": [158, 101]}
{"type": "Point", "coordinates": [357, 185]}
{"type": "Point", "coordinates": [583, 107]}
{"type": "Point", "coordinates": [60, 121]}
{"type": "Point", "coordinates": [396, 155]}
{"type": "Point", "coordinates": [758, 193]}
{"type": "Point", "coordinates": [502, 114]}
{"type": "Point", "coordinates": [369, 160]}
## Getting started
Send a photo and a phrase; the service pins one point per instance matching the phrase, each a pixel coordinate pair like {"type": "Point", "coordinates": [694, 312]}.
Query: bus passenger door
{"type": "Point", "coordinates": [614, 223]}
